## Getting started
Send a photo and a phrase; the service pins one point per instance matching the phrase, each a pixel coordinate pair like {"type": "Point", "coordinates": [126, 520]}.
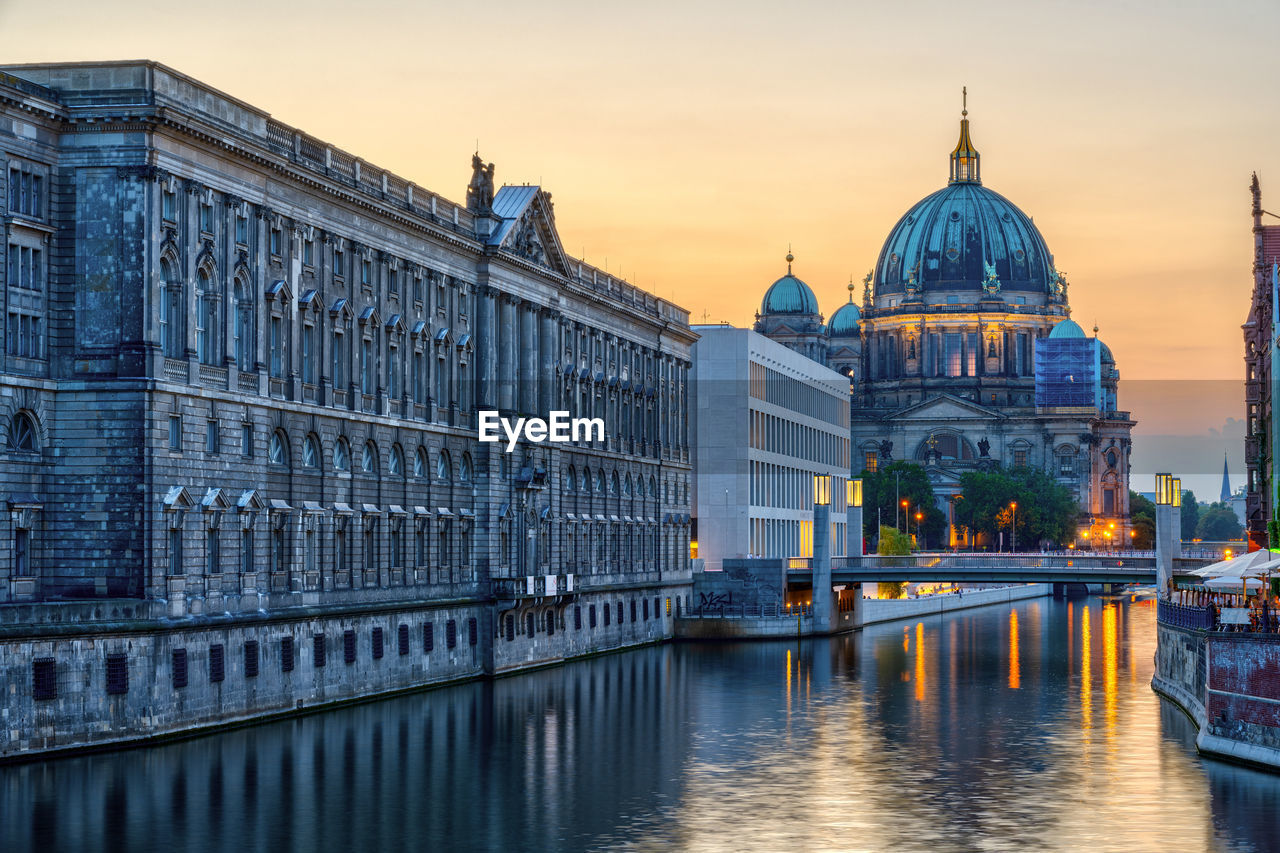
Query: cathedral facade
{"type": "Point", "coordinates": [963, 303]}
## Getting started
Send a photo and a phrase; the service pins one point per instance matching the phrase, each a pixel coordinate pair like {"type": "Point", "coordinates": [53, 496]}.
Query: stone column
{"type": "Point", "coordinates": [486, 369]}
{"type": "Point", "coordinates": [853, 532]}
{"type": "Point", "coordinates": [547, 356]}
{"type": "Point", "coordinates": [507, 342]}
{"type": "Point", "coordinates": [823, 600]}
{"type": "Point", "coordinates": [528, 360]}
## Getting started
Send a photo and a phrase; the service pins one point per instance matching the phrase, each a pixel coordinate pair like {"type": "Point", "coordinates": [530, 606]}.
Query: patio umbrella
{"type": "Point", "coordinates": [1238, 566]}
{"type": "Point", "coordinates": [1231, 584]}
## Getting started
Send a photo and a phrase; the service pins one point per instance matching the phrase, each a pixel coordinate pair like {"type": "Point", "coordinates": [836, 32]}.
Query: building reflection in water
{"type": "Point", "coordinates": [975, 730]}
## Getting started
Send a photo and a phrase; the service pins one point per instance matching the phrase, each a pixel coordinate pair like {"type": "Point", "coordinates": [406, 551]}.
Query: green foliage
{"type": "Point", "coordinates": [893, 483]}
{"type": "Point", "coordinates": [1190, 514]}
{"type": "Point", "coordinates": [1218, 523]}
{"type": "Point", "coordinates": [893, 542]}
{"type": "Point", "coordinates": [1142, 515]}
{"type": "Point", "coordinates": [1046, 512]}
{"type": "Point", "coordinates": [891, 589]}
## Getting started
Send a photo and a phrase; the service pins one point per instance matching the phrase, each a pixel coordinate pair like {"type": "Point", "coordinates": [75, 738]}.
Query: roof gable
{"type": "Point", "coordinates": [945, 406]}
{"type": "Point", "coordinates": [528, 227]}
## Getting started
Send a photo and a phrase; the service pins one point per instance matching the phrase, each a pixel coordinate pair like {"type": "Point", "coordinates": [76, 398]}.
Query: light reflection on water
{"type": "Point", "coordinates": [978, 731]}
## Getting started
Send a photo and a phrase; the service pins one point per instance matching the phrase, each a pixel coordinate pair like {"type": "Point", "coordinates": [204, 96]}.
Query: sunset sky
{"type": "Point", "coordinates": [688, 143]}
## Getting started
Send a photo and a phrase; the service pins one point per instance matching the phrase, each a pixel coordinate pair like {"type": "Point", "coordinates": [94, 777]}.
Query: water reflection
{"type": "Point", "coordinates": [981, 730]}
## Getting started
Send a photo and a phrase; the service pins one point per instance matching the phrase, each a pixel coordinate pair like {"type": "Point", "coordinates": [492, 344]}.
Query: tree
{"type": "Point", "coordinates": [1142, 518]}
{"type": "Point", "coordinates": [1045, 510]}
{"type": "Point", "coordinates": [1190, 514]}
{"type": "Point", "coordinates": [1218, 524]}
{"type": "Point", "coordinates": [892, 542]}
{"type": "Point", "coordinates": [887, 488]}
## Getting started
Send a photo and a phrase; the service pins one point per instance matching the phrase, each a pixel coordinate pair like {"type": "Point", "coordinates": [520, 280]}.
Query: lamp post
{"type": "Point", "coordinates": [1013, 527]}
{"type": "Point", "coordinates": [906, 512]}
{"type": "Point", "coordinates": [919, 516]}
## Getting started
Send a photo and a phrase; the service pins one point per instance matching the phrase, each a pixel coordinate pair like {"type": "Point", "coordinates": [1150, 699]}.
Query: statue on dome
{"type": "Point", "coordinates": [480, 190]}
{"type": "Point", "coordinates": [866, 288]}
{"type": "Point", "coordinates": [913, 288]}
{"type": "Point", "coordinates": [991, 284]}
{"type": "Point", "coordinates": [1057, 285]}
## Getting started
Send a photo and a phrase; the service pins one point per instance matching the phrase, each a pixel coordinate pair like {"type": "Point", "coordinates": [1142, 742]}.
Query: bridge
{"type": "Point", "coordinates": [1069, 567]}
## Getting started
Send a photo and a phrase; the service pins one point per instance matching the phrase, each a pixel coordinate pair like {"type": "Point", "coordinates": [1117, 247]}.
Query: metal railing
{"type": "Point", "coordinates": [1195, 617]}
{"type": "Point", "coordinates": [743, 611]}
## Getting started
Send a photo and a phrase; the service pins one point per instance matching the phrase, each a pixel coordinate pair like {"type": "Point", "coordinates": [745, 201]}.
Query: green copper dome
{"type": "Point", "coordinates": [1066, 329]}
{"type": "Point", "coordinates": [845, 321]}
{"type": "Point", "coordinates": [789, 295]}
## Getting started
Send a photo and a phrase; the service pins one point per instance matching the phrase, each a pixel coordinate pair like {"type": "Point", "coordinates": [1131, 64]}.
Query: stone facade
{"type": "Point", "coordinates": [1259, 362]}
{"type": "Point", "coordinates": [242, 370]}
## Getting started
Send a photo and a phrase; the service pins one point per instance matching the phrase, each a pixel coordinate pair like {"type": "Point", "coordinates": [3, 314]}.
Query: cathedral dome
{"type": "Point", "coordinates": [789, 295]}
{"type": "Point", "coordinates": [946, 240]}
{"type": "Point", "coordinates": [1067, 329]}
{"type": "Point", "coordinates": [845, 322]}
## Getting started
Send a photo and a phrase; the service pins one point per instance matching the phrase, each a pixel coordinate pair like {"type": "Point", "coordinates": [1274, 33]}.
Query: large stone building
{"type": "Point", "coordinates": [765, 421]}
{"type": "Point", "coordinates": [240, 376]}
{"type": "Point", "coordinates": [1260, 356]}
{"type": "Point", "coordinates": [941, 355]}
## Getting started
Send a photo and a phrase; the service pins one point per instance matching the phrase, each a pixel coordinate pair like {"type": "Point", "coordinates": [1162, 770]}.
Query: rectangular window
{"type": "Point", "coordinates": [377, 643]}
{"type": "Point", "coordinates": [349, 646]}
{"type": "Point", "coordinates": [212, 551]}
{"type": "Point", "coordinates": [169, 205]}
{"type": "Point", "coordinates": [175, 432]}
{"type": "Point", "coordinates": [402, 639]}
{"type": "Point", "coordinates": [309, 252]}
{"type": "Point", "coordinates": [117, 675]}
{"type": "Point", "coordinates": [509, 628]}
{"type": "Point", "coordinates": [951, 356]}
{"type": "Point", "coordinates": [366, 271]}
{"type": "Point", "coordinates": [591, 616]}
{"type": "Point", "coordinates": [339, 263]}
{"type": "Point", "coordinates": [21, 548]}
{"type": "Point", "coordinates": [275, 241]}
{"type": "Point", "coordinates": [179, 667]}
{"type": "Point", "coordinates": [366, 366]}
{"type": "Point", "coordinates": [175, 550]}
{"type": "Point", "coordinates": [871, 461]}
{"type": "Point", "coordinates": [242, 229]}
{"type": "Point", "coordinates": [317, 650]}
{"type": "Point", "coordinates": [608, 615]}
{"type": "Point", "coordinates": [217, 663]}
{"type": "Point", "coordinates": [309, 354]}
{"type": "Point", "coordinates": [277, 347]}
{"type": "Point", "coordinates": [211, 437]}
{"type": "Point", "coordinates": [246, 551]}
{"type": "Point", "coordinates": [206, 218]}
{"type": "Point", "coordinates": [1108, 501]}
{"type": "Point", "coordinates": [250, 658]}
{"type": "Point", "coordinates": [473, 629]}
{"type": "Point", "coordinates": [577, 618]}
{"type": "Point", "coordinates": [1019, 458]}
{"type": "Point", "coordinates": [339, 362]}
{"type": "Point", "coordinates": [246, 440]}
{"type": "Point", "coordinates": [393, 282]}
{"type": "Point", "coordinates": [286, 654]}
{"type": "Point", "coordinates": [633, 611]}
{"type": "Point", "coordinates": [451, 634]}
{"type": "Point", "coordinates": [417, 289]}
{"type": "Point", "coordinates": [44, 679]}
{"type": "Point", "coordinates": [428, 637]}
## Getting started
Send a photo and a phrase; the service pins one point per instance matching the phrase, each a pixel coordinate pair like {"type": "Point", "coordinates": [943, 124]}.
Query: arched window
{"type": "Point", "coordinates": [206, 319]}
{"type": "Point", "coordinates": [172, 311]}
{"type": "Point", "coordinates": [243, 329]}
{"type": "Point", "coordinates": [420, 462]}
{"type": "Point", "coordinates": [613, 483]}
{"type": "Point", "coordinates": [341, 456]}
{"type": "Point", "coordinates": [310, 452]}
{"type": "Point", "coordinates": [444, 470]}
{"type": "Point", "coordinates": [22, 433]}
{"type": "Point", "coordinates": [369, 459]}
{"type": "Point", "coordinates": [278, 450]}
{"type": "Point", "coordinates": [600, 482]}
{"type": "Point", "coordinates": [570, 481]}
{"type": "Point", "coordinates": [464, 468]}
{"type": "Point", "coordinates": [626, 486]}
{"type": "Point", "coordinates": [395, 463]}
{"type": "Point", "coordinates": [586, 480]}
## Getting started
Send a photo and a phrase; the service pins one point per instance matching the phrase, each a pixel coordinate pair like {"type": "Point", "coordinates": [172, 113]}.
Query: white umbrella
{"type": "Point", "coordinates": [1233, 584]}
{"type": "Point", "coordinates": [1254, 564]}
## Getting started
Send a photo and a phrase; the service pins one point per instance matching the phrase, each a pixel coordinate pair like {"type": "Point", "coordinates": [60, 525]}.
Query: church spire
{"type": "Point", "coordinates": [964, 159]}
{"type": "Point", "coordinates": [1226, 480]}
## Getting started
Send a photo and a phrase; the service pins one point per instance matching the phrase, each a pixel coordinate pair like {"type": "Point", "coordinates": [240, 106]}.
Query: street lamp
{"type": "Point", "coordinates": [919, 515]}
{"type": "Point", "coordinates": [1013, 527]}
{"type": "Point", "coordinates": [906, 514]}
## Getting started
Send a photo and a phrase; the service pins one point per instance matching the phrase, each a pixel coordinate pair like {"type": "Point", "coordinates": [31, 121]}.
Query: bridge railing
{"type": "Point", "coordinates": [1185, 615]}
{"type": "Point", "coordinates": [755, 611]}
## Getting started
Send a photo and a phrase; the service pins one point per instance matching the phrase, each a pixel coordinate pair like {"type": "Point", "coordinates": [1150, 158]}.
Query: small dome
{"type": "Point", "coordinates": [1066, 329]}
{"type": "Point", "coordinates": [1107, 357]}
{"type": "Point", "coordinates": [789, 295]}
{"type": "Point", "coordinates": [845, 321]}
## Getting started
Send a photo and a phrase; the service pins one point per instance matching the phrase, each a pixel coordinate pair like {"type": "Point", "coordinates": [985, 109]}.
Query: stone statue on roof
{"type": "Point", "coordinates": [991, 284]}
{"type": "Point", "coordinates": [480, 190]}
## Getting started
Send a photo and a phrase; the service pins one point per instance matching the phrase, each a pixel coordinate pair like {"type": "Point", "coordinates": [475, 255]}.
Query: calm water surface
{"type": "Point", "coordinates": [1023, 727]}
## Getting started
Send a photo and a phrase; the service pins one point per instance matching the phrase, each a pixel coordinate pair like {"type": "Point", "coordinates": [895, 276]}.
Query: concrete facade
{"type": "Point", "coordinates": [766, 420]}
{"type": "Point", "coordinates": [242, 370]}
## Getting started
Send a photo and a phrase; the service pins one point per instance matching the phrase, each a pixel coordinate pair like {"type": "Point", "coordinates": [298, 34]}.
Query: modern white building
{"type": "Point", "coordinates": [766, 419]}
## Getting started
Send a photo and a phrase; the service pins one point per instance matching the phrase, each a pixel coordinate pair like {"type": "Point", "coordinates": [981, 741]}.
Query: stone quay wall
{"type": "Point", "coordinates": [110, 673]}
{"type": "Point", "coordinates": [1229, 684]}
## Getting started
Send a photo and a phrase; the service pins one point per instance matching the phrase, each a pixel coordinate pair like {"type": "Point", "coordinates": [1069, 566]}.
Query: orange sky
{"type": "Point", "coordinates": [688, 143]}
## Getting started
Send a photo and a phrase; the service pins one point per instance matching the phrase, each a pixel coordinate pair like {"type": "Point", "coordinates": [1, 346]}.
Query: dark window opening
{"type": "Point", "coordinates": [577, 618]}
{"type": "Point", "coordinates": [179, 667]}
{"type": "Point", "coordinates": [286, 654]}
{"type": "Point", "coordinates": [451, 634]}
{"type": "Point", "coordinates": [349, 646]}
{"type": "Point", "coordinates": [377, 643]}
{"type": "Point", "coordinates": [317, 650]}
{"type": "Point", "coordinates": [402, 637]}
{"type": "Point", "coordinates": [428, 637]}
{"type": "Point", "coordinates": [250, 658]}
{"type": "Point", "coordinates": [44, 679]}
{"type": "Point", "coordinates": [117, 675]}
{"type": "Point", "coordinates": [217, 663]}
{"type": "Point", "coordinates": [510, 627]}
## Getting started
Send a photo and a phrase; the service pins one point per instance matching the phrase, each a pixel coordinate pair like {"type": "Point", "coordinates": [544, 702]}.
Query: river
{"type": "Point", "coordinates": [1029, 726]}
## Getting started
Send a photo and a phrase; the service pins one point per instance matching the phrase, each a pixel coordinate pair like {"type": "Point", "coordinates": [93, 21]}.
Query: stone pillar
{"type": "Point", "coordinates": [1176, 532]}
{"type": "Point", "coordinates": [1165, 538]}
{"type": "Point", "coordinates": [528, 361]}
{"type": "Point", "coordinates": [823, 600]}
{"type": "Point", "coordinates": [853, 532]}
{"type": "Point", "coordinates": [486, 369]}
{"type": "Point", "coordinates": [507, 343]}
{"type": "Point", "coordinates": [548, 354]}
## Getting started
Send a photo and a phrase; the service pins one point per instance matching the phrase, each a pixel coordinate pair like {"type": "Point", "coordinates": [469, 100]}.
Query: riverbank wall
{"type": "Point", "coordinates": [764, 622]}
{"type": "Point", "coordinates": [89, 675]}
{"type": "Point", "coordinates": [1228, 683]}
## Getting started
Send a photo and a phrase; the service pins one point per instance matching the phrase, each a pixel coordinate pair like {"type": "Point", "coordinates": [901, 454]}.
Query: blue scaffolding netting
{"type": "Point", "coordinates": [1068, 373]}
